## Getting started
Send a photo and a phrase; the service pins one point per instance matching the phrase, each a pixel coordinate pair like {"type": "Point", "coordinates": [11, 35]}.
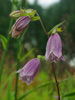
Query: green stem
{"type": "Point", "coordinates": [18, 61]}
{"type": "Point", "coordinates": [57, 84]}
{"type": "Point", "coordinates": [52, 63]}
{"type": "Point", "coordinates": [16, 86]}
{"type": "Point", "coordinates": [17, 68]}
{"type": "Point", "coordinates": [42, 25]}
{"type": "Point", "coordinates": [5, 52]}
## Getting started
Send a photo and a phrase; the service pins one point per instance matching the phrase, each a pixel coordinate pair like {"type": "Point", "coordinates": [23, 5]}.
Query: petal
{"type": "Point", "coordinates": [53, 58]}
{"type": "Point", "coordinates": [27, 79]}
{"type": "Point", "coordinates": [22, 22]}
{"type": "Point", "coordinates": [62, 58]}
{"type": "Point", "coordinates": [56, 45]}
{"type": "Point", "coordinates": [53, 48]}
{"type": "Point", "coordinates": [28, 72]}
{"type": "Point", "coordinates": [48, 48]}
{"type": "Point", "coordinates": [31, 66]}
{"type": "Point", "coordinates": [19, 71]}
{"type": "Point", "coordinates": [16, 33]}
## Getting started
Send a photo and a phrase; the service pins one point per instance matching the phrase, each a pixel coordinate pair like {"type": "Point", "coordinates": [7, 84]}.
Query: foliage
{"type": "Point", "coordinates": [44, 84]}
{"type": "Point", "coordinates": [4, 41]}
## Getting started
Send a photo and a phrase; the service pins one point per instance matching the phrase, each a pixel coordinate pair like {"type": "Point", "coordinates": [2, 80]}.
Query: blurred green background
{"type": "Point", "coordinates": [35, 38]}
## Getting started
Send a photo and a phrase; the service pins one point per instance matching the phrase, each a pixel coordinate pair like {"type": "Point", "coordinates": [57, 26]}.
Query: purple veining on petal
{"type": "Point", "coordinates": [53, 58]}
{"type": "Point", "coordinates": [19, 26]}
{"type": "Point", "coordinates": [28, 72]}
{"type": "Point", "coordinates": [57, 45]}
{"type": "Point", "coordinates": [22, 22]}
{"type": "Point", "coordinates": [19, 20]}
{"type": "Point", "coordinates": [48, 48]}
{"type": "Point", "coordinates": [54, 48]}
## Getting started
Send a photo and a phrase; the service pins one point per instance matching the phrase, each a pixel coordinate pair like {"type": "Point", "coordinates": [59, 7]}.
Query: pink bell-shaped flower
{"type": "Point", "coordinates": [54, 49]}
{"type": "Point", "coordinates": [28, 72]}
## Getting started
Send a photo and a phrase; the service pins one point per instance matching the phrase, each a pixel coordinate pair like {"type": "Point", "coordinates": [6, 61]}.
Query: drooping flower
{"type": "Point", "coordinates": [28, 72]}
{"type": "Point", "coordinates": [54, 48]}
{"type": "Point", "coordinates": [16, 14]}
{"type": "Point", "coordinates": [19, 26]}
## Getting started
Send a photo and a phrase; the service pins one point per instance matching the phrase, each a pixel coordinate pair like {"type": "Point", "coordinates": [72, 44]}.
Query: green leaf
{"type": "Point", "coordinates": [36, 88]}
{"type": "Point", "coordinates": [4, 41]}
{"type": "Point", "coordinates": [12, 67]}
{"type": "Point", "coordinates": [9, 96]}
{"type": "Point", "coordinates": [70, 83]}
{"type": "Point", "coordinates": [69, 94]}
{"type": "Point", "coordinates": [53, 30]}
{"type": "Point", "coordinates": [67, 79]}
{"type": "Point", "coordinates": [35, 18]}
{"type": "Point", "coordinates": [6, 80]}
{"type": "Point", "coordinates": [26, 55]}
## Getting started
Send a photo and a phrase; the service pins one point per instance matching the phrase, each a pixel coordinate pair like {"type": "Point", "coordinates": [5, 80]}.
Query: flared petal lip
{"type": "Point", "coordinates": [19, 71]}
{"type": "Point", "coordinates": [54, 46]}
{"type": "Point", "coordinates": [57, 55]}
{"type": "Point", "coordinates": [29, 71]}
{"type": "Point", "coordinates": [25, 79]}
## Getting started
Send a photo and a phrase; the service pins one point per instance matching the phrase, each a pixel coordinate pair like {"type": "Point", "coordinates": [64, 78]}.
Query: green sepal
{"type": "Point", "coordinates": [55, 28]}
{"type": "Point", "coordinates": [22, 9]}
{"type": "Point", "coordinates": [41, 57]}
{"type": "Point", "coordinates": [28, 12]}
{"type": "Point", "coordinates": [35, 18]}
{"type": "Point", "coordinates": [59, 29]}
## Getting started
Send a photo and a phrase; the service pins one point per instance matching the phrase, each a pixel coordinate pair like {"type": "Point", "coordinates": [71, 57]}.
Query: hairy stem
{"type": "Point", "coordinates": [17, 68]}
{"type": "Point", "coordinates": [16, 86]}
{"type": "Point", "coordinates": [42, 25]}
{"type": "Point", "coordinates": [52, 63]}
{"type": "Point", "coordinates": [57, 84]}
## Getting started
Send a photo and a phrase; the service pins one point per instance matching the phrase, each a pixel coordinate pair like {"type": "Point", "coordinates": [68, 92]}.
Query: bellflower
{"type": "Point", "coordinates": [28, 72]}
{"type": "Point", "coordinates": [54, 48]}
{"type": "Point", "coordinates": [19, 26]}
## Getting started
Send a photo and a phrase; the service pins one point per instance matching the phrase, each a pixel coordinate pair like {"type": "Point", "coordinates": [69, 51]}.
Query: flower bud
{"type": "Point", "coordinates": [22, 22]}
{"type": "Point", "coordinates": [28, 72]}
{"type": "Point", "coordinates": [19, 26]}
{"type": "Point", "coordinates": [16, 14]}
{"type": "Point", "coordinates": [54, 49]}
